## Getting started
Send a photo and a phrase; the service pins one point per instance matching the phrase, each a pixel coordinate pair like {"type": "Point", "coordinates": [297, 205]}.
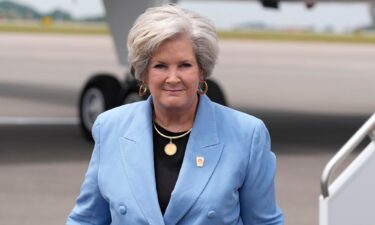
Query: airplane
{"type": "Point", "coordinates": [104, 91]}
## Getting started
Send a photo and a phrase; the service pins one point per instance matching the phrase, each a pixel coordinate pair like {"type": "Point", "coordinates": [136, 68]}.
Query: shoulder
{"type": "Point", "coordinates": [123, 112]}
{"type": "Point", "coordinates": [242, 128]}
{"type": "Point", "coordinates": [114, 120]}
{"type": "Point", "coordinates": [229, 117]}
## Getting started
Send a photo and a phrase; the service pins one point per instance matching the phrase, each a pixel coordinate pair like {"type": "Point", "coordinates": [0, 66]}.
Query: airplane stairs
{"type": "Point", "coordinates": [350, 198]}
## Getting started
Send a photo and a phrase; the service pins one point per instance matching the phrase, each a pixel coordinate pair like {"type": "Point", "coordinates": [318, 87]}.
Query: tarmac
{"type": "Point", "coordinates": [312, 97]}
{"type": "Point", "coordinates": [42, 167]}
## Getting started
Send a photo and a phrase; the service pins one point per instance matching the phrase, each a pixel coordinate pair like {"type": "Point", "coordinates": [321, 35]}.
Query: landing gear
{"type": "Point", "coordinates": [215, 92]}
{"type": "Point", "coordinates": [99, 94]}
{"type": "Point", "coordinates": [372, 13]}
{"type": "Point", "coordinates": [129, 92]}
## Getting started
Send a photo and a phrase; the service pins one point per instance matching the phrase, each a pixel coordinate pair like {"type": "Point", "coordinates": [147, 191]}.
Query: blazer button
{"type": "Point", "coordinates": [211, 214]}
{"type": "Point", "coordinates": [122, 209]}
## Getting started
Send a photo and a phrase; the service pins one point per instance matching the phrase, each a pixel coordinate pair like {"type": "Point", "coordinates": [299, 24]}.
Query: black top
{"type": "Point", "coordinates": [167, 167]}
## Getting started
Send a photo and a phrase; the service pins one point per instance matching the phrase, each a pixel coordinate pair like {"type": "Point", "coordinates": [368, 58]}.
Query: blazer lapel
{"type": "Point", "coordinates": [138, 160]}
{"type": "Point", "coordinates": [204, 143]}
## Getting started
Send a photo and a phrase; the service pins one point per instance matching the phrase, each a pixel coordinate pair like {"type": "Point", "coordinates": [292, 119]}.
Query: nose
{"type": "Point", "coordinates": [173, 76]}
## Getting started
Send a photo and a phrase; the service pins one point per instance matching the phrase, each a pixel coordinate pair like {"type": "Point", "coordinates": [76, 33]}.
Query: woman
{"type": "Point", "coordinates": [177, 158]}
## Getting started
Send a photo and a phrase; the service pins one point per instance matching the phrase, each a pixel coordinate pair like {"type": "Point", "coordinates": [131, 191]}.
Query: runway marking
{"type": "Point", "coordinates": [39, 120]}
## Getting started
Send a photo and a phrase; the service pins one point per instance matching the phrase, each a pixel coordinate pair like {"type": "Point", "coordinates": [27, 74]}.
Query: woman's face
{"type": "Point", "coordinates": [173, 75]}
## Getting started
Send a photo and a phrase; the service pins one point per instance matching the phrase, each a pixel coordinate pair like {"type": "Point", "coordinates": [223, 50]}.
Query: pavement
{"type": "Point", "coordinates": [42, 167]}
{"type": "Point", "coordinates": [312, 97]}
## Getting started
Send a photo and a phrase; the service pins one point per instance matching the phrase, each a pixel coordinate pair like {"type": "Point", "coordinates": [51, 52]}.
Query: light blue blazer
{"type": "Point", "coordinates": [234, 186]}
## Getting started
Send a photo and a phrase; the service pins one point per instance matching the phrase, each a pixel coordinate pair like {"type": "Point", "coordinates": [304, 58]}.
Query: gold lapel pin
{"type": "Point", "coordinates": [200, 161]}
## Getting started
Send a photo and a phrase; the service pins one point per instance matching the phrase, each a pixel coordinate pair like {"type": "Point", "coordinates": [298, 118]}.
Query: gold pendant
{"type": "Point", "coordinates": [170, 149]}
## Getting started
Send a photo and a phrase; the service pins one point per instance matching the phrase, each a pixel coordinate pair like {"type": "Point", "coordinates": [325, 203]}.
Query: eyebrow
{"type": "Point", "coordinates": [183, 61]}
{"type": "Point", "coordinates": [156, 61]}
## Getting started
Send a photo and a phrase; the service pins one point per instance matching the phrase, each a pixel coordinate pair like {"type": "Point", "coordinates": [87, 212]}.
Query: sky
{"type": "Point", "coordinates": [339, 16]}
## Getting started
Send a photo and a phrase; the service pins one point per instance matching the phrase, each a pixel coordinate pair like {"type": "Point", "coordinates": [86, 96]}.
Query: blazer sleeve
{"type": "Point", "coordinates": [91, 207]}
{"type": "Point", "coordinates": [257, 195]}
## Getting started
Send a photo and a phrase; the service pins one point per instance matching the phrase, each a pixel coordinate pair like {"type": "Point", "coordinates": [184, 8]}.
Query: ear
{"type": "Point", "coordinates": [201, 77]}
{"type": "Point", "coordinates": [144, 78]}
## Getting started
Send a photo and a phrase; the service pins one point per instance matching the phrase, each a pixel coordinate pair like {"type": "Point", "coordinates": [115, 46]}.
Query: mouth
{"type": "Point", "coordinates": [173, 91]}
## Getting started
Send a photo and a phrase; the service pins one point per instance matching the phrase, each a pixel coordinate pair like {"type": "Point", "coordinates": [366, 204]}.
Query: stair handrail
{"type": "Point", "coordinates": [367, 129]}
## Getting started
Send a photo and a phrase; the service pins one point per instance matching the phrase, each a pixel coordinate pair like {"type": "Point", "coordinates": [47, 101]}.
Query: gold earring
{"type": "Point", "coordinates": [202, 87]}
{"type": "Point", "coordinates": [142, 89]}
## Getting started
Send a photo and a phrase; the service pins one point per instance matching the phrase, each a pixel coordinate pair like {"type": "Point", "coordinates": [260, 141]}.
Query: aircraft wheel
{"type": "Point", "coordinates": [99, 94]}
{"type": "Point", "coordinates": [215, 92]}
{"type": "Point", "coordinates": [130, 93]}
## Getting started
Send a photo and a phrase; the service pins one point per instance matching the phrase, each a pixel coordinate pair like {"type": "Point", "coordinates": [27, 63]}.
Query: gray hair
{"type": "Point", "coordinates": [161, 23]}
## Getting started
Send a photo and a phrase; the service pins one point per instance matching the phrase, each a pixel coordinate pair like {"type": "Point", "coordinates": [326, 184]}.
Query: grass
{"type": "Point", "coordinates": [56, 28]}
{"type": "Point", "coordinates": [305, 36]}
{"type": "Point", "coordinates": [102, 29]}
